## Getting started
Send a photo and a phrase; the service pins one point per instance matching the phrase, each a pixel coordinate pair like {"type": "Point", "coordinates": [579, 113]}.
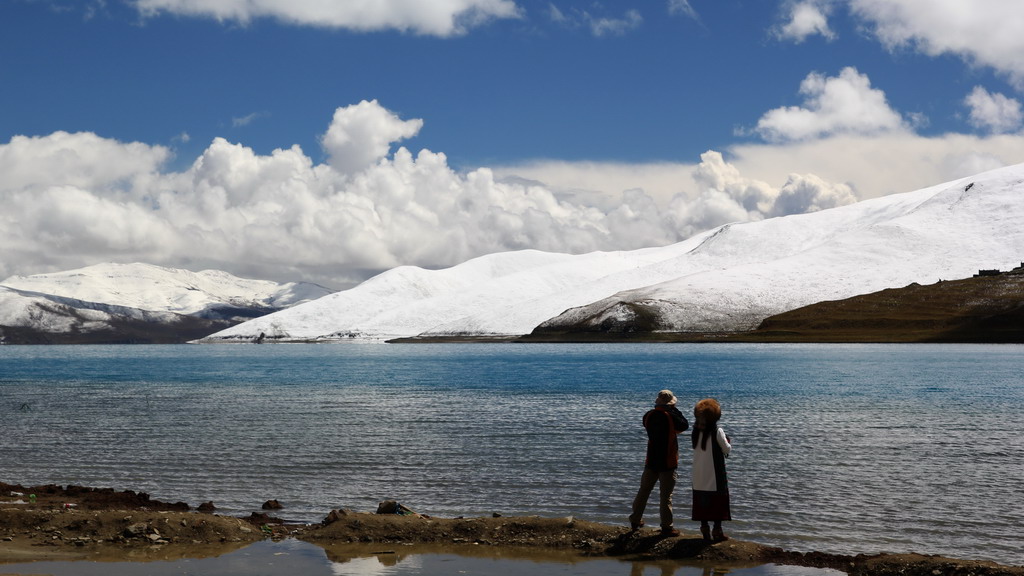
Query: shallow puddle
{"type": "Point", "coordinates": [295, 558]}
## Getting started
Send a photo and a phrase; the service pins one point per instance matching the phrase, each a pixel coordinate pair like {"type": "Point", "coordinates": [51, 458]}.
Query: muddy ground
{"type": "Point", "coordinates": [67, 523]}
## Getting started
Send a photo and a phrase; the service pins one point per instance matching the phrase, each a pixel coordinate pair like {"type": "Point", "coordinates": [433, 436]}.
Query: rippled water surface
{"type": "Point", "coordinates": [839, 448]}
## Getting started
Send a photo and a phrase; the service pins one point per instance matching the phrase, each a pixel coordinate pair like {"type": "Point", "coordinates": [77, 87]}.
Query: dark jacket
{"type": "Point", "coordinates": [663, 423]}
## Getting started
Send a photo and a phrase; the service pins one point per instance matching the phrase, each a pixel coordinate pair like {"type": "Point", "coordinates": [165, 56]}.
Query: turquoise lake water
{"type": "Point", "coordinates": [837, 448]}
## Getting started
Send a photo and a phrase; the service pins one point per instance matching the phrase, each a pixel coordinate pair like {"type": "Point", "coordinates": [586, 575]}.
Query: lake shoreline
{"type": "Point", "coordinates": [79, 523]}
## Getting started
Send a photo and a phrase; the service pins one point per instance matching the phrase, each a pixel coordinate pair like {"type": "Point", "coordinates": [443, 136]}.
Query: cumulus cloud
{"type": "Point", "coordinates": [877, 166]}
{"type": "Point", "coordinates": [803, 193]}
{"type": "Point", "coordinates": [362, 134]}
{"type": "Point", "coordinates": [78, 199]}
{"type": "Point", "coordinates": [750, 195]}
{"type": "Point", "coordinates": [844, 104]}
{"type": "Point", "coordinates": [993, 112]}
{"type": "Point", "coordinates": [869, 165]}
{"type": "Point", "coordinates": [83, 160]}
{"type": "Point", "coordinates": [432, 17]}
{"type": "Point", "coordinates": [600, 183]}
{"type": "Point", "coordinates": [845, 132]}
{"type": "Point", "coordinates": [982, 32]}
{"type": "Point", "coordinates": [804, 19]}
{"type": "Point", "coordinates": [725, 195]}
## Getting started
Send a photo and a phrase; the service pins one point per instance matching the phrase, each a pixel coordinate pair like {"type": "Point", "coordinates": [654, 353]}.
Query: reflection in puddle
{"type": "Point", "coordinates": [293, 557]}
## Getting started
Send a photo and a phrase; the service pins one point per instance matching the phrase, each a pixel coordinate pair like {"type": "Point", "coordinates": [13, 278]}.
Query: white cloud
{"type": "Point", "coordinates": [247, 119]}
{"type": "Point", "coordinates": [726, 195]}
{"type": "Point", "coordinates": [601, 183]}
{"type": "Point", "coordinates": [844, 104]}
{"type": "Point", "coordinates": [874, 165]}
{"type": "Point", "coordinates": [993, 112]}
{"type": "Point", "coordinates": [870, 165]}
{"type": "Point", "coordinates": [804, 19]}
{"type": "Point", "coordinates": [433, 17]}
{"type": "Point", "coordinates": [603, 26]}
{"type": "Point", "coordinates": [83, 160]}
{"type": "Point", "coordinates": [361, 134]}
{"type": "Point", "coordinates": [71, 200]}
{"type": "Point", "coordinates": [78, 199]}
{"type": "Point", "coordinates": [983, 32]}
{"type": "Point", "coordinates": [682, 7]}
{"type": "Point", "coordinates": [598, 25]}
{"type": "Point", "coordinates": [846, 132]}
{"type": "Point", "coordinates": [556, 15]}
{"type": "Point", "coordinates": [752, 195]}
{"type": "Point", "coordinates": [803, 193]}
{"type": "Point", "coordinates": [691, 198]}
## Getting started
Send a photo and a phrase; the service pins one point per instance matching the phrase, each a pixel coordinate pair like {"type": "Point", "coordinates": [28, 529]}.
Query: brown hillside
{"type": "Point", "coordinates": [987, 308]}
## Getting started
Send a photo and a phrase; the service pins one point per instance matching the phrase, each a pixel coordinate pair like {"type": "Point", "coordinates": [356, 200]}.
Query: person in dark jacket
{"type": "Point", "coordinates": [663, 423]}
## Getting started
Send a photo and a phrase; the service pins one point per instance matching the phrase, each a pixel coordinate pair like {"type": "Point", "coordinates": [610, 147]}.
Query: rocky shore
{"type": "Point", "coordinates": [79, 523]}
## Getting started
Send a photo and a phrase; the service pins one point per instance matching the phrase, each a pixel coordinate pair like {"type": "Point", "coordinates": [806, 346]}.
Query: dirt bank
{"type": "Point", "coordinates": [72, 523]}
{"type": "Point", "coordinates": [84, 523]}
{"type": "Point", "coordinates": [594, 539]}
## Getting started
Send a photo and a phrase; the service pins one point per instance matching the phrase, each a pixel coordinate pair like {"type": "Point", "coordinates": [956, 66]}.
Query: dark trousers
{"type": "Point", "coordinates": [666, 479]}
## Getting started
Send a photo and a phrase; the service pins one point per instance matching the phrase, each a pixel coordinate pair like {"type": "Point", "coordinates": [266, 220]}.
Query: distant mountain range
{"type": "Point", "coordinates": [721, 284]}
{"type": "Point", "coordinates": [136, 303]}
{"type": "Point", "coordinates": [725, 280]}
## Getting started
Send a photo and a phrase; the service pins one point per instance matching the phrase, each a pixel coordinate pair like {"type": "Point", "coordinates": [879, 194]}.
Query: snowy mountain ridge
{"type": "Point", "coordinates": [726, 279]}
{"type": "Point", "coordinates": [106, 299]}
{"type": "Point", "coordinates": [157, 288]}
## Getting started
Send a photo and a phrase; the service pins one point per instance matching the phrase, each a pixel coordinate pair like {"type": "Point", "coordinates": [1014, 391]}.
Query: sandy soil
{"type": "Point", "coordinates": [95, 524]}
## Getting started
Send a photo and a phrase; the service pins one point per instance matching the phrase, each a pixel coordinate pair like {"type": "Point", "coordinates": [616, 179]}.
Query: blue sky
{"type": "Point", "coordinates": [190, 132]}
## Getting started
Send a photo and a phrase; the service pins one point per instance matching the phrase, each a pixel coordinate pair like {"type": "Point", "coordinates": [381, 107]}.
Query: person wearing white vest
{"type": "Point", "coordinates": [711, 447]}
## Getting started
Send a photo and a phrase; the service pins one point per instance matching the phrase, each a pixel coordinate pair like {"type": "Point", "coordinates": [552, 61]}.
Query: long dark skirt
{"type": "Point", "coordinates": [711, 505]}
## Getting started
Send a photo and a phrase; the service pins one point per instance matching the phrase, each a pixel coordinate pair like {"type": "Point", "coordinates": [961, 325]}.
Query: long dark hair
{"type": "Point", "coordinates": [706, 414]}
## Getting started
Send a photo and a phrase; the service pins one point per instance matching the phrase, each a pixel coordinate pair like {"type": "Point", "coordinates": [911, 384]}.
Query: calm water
{"type": "Point", "coordinates": [847, 449]}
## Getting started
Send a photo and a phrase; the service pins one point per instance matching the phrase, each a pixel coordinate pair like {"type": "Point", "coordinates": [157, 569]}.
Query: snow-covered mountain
{"type": "Point", "coordinates": [111, 302]}
{"type": "Point", "coordinates": [727, 279]}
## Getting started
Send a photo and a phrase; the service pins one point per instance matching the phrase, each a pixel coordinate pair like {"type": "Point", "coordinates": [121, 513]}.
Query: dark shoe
{"type": "Point", "coordinates": [634, 526]}
{"type": "Point", "coordinates": [669, 532]}
{"type": "Point", "coordinates": [705, 531]}
{"type": "Point", "coordinates": [718, 536]}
